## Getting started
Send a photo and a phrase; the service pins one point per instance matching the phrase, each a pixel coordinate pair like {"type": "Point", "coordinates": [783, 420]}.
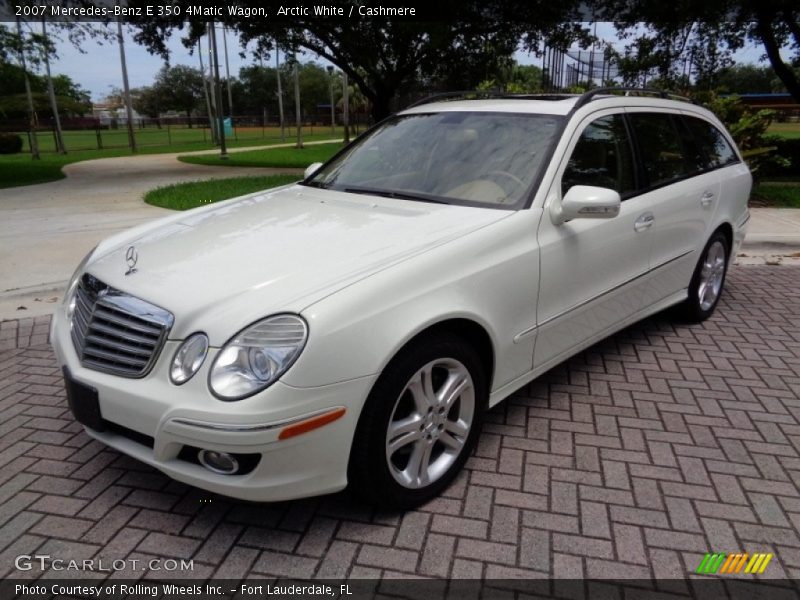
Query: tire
{"type": "Point", "coordinates": [707, 281]}
{"type": "Point", "coordinates": [432, 434]}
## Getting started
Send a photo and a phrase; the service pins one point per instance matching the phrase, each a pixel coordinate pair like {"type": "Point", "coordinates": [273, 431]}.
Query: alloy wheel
{"type": "Point", "coordinates": [712, 273]}
{"type": "Point", "coordinates": [430, 423]}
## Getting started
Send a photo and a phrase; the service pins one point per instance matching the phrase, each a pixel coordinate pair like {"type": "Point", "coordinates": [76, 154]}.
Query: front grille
{"type": "Point", "coordinates": [115, 332]}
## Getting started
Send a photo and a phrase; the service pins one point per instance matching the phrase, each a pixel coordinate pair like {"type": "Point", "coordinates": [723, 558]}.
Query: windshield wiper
{"type": "Point", "coordinates": [392, 194]}
{"type": "Point", "coordinates": [315, 184]}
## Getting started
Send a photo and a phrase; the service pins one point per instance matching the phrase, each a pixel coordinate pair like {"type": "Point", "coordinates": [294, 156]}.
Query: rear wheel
{"type": "Point", "coordinates": [420, 423]}
{"type": "Point", "coordinates": [707, 281]}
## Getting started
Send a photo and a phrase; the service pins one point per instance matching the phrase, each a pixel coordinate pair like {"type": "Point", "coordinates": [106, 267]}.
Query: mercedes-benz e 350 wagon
{"type": "Point", "coordinates": [354, 327]}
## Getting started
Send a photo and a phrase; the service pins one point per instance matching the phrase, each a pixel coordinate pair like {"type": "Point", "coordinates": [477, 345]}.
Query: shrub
{"type": "Point", "coordinates": [789, 150]}
{"type": "Point", "coordinates": [748, 129]}
{"type": "Point", "coordinates": [10, 143]}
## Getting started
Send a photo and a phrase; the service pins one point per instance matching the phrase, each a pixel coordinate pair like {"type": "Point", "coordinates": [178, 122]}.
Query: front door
{"type": "Point", "coordinates": [592, 270]}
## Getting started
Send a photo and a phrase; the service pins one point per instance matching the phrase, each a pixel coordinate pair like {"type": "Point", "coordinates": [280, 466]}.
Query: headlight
{"type": "Point", "coordinates": [69, 295]}
{"type": "Point", "coordinates": [188, 358]}
{"type": "Point", "coordinates": [257, 356]}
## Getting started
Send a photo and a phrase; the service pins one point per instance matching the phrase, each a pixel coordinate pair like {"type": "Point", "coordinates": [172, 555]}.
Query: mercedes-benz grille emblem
{"type": "Point", "coordinates": [131, 257]}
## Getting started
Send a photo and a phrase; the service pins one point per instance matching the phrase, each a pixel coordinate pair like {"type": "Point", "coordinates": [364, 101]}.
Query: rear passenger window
{"type": "Point", "coordinates": [602, 157]}
{"type": "Point", "coordinates": [696, 160]}
{"type": "Point", "coordinates": [712, 141]}
{"type": "Point", "coordinates": [661, 149]}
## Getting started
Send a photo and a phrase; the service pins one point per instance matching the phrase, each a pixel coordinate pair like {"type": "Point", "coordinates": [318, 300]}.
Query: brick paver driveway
{"type": "Point", "coordinates": [631, 460]}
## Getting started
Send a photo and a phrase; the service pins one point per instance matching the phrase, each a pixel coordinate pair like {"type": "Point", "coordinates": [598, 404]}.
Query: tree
{"type": "Point", "coordinates": [72, 98]}
{"type": "Point", "coordinates": [514, 78]}
{"type": "Point", "coordinates": [314, 88]}
{"type": "Point", "coordinates": [745, 79]}
{"type": "Point", "coordinates": [255, 90]}
{"type": "Point", "coordinates": [383, 55]}
{"type": "Point", "coordinates": [706, 33]}
{"type": "Point", "coordinates": [147, 101]}
{"type": "Point", "coordinates": [179, 88]}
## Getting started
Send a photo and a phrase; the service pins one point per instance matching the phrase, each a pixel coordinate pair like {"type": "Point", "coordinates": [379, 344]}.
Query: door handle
{"type": "Point", "coordinates": [706, 198]}
{"type": "Point", "coordinates": [644, 221]}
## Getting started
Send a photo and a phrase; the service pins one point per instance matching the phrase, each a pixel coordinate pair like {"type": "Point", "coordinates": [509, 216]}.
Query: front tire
{"type": "Point", "coordinates": [707, 281]}
{"type": "Point", "coordinates": [420, 423]}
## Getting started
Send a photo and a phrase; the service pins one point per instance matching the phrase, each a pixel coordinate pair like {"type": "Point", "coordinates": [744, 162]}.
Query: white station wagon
{"type": "Point", "coordinates": [353, 328]}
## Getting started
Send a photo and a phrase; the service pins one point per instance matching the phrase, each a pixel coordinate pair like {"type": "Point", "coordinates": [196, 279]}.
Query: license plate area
{"type": "Point", "coordinates": [83, 402]}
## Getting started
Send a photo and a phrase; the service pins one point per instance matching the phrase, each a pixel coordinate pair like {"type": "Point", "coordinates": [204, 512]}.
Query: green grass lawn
{"type": "Point", "coordinates": [183, 196]}
{"type": "Point", "coordinates": [20, 169]}
{"type": "Point", "coordinates": [787, 130]}
{"type": "Point", "coordinates": [271, 157]}
{"type": "Point", "coordinates": [778, 195]}
{"type": "Point", "coordinates": [180, 138]}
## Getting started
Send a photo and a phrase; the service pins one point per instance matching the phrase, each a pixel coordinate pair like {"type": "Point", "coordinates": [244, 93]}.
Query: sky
{"type": "Point", "coordinates": [97, 69]}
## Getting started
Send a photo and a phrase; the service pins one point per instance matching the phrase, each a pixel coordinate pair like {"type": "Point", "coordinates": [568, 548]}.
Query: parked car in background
{"type": "Point", "coordinates": [355, 327]}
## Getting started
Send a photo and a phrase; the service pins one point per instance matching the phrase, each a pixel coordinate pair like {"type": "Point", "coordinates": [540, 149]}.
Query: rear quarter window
{"type": "Point", "coordinates": [712, 141]}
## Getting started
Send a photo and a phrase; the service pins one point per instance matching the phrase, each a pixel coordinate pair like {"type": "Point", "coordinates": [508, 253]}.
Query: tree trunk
{"type": "Point", "coordinates": [34, 143]}
{"type": "Point", "coordinates": [782, 70]}
{"type": "Point", "coordinates": [60, 147]}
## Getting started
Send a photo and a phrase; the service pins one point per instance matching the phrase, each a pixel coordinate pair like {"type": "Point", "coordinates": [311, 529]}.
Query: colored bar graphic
{"type": "Point", "coordinates": [710, 563]}
{"type": "Point", "coordinates": [720, 562]}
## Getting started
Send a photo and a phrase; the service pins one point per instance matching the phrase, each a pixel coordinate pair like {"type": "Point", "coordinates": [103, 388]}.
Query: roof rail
{"type": "Point", "coordinates": [487, 94]}
{"type": "Point", "coordinates": [591, 94]}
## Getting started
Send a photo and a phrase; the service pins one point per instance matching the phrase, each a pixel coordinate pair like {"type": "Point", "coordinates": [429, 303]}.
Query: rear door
{"type": "Point", "coordinates": [682, 192]}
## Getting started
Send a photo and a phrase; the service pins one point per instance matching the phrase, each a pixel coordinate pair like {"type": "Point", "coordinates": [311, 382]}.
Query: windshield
{"type": "Point", "coordinates": [471, 158]}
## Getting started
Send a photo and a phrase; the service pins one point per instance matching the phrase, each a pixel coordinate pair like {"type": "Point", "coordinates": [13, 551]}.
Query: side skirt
{"type": "Point", "coordinates": [508, 389]}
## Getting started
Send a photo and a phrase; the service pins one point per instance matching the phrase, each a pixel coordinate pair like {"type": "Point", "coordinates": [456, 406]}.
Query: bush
{"type": "Point", "coordinates": [748, 129]}
{"type": "Point", "coordinates": [789, 150]}
{"type": "Point", "coordinates": [10, 143]}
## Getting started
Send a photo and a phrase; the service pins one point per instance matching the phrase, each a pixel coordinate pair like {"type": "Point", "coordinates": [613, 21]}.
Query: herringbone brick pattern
{"type": "Point", "coordinates": [631, 460]}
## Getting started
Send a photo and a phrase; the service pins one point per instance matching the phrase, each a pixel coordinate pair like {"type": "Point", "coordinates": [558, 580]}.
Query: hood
{"type": "Point", "coordinates": [219, 269]}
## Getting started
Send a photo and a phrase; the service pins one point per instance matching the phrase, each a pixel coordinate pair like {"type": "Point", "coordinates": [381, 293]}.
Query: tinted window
{"type": "Point", "coordinates": [713, 143]}
{"type": "Point", "coordinates": [602, 157]}
{"type": "Point", "coordinates": [696, 161]}
{"type": "Point", "coordinates": [661, 148]}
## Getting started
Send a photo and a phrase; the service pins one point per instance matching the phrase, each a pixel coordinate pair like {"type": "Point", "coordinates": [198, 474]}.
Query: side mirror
{"type": "Point", "coordinates": [311, 169]}
{"type": "Point", "coordinates": [586, 202]}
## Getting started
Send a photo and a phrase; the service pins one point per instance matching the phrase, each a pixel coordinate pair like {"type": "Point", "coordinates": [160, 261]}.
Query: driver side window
{"type": "Point", "coordinates": [602, 157]}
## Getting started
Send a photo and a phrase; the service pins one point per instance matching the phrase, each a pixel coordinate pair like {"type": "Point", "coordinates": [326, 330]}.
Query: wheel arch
{"type": "Point", "coordinates": [468, 329]}
{"type": "Point", "coordinates": [727, 230]}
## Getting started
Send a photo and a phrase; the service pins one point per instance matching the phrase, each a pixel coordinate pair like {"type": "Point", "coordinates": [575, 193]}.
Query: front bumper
{"type": "Point", "coordinates": [173, 416]}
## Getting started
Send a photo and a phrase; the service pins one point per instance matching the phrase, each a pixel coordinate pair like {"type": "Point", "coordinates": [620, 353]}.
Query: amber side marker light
{"type": "Point", "coordinates": [311, 424]}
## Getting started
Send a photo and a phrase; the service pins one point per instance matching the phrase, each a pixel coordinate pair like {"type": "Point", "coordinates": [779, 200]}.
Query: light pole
{"type": "Point", "coordinates": [333, 108]}
{"type": "Point", "coordinates": [211, 127]}
{"type": "Point", "coordinates": [346, 108]}
{"type": "Point", "coordinates": [126, 88]}
{"type": "Point", "coordinates": [299, 144]}
{"type": "Point", "coordinates": [223, 152]}
{"type": "Point", "coordinates": [227, 74]}
{"type": "Point", "coordinates": [280, 91]}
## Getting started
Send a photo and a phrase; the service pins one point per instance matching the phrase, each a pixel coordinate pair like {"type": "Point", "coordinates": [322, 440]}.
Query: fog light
{"type": "Point", "coordinates": [218, 462]}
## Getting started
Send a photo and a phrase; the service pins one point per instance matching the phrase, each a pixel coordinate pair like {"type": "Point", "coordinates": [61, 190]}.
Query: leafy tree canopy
{"type": "Point", "coordinates": [71, 97]}
{"type": "Point", "coordinates": [666, 37]}
{"type": "Point", "coordinates": [385, 56]}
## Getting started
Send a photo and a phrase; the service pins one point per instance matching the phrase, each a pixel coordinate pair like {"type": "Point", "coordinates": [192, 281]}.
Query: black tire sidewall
{"type": "Point", "coordinates": [369, 473]}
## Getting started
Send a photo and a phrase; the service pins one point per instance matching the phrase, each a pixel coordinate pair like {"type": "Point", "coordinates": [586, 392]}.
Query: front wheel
{"type": "Point", "coordinates": [420, 423]}
{"type": "Point", "coordinates": [707, 281]}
